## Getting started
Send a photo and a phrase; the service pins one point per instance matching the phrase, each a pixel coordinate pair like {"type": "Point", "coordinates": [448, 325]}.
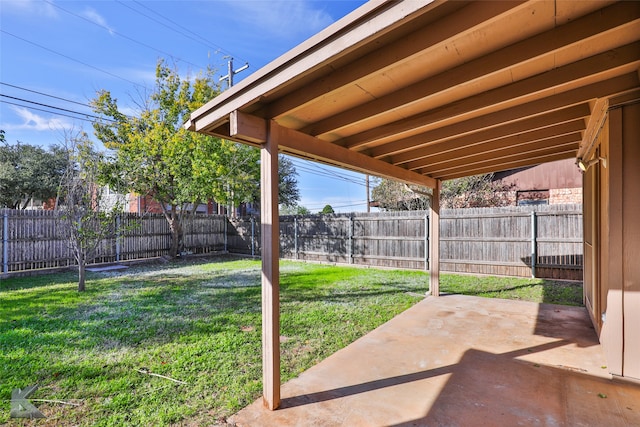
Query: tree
{"type": "Point", "coordinates": [295, 210]}
{"type": "Point", "coordinates": [327, 210]}
{"type": "Point", "coordinates": [476, 191]}
{"type": "Point", "coordinates": [29, 172]}
{"type": "Point", "coordinates": [397, 196]}
{"type": "Point", "coordinates": [84, 221]}
{"type": "Point", "coordinates": [288, 192]}
{"type": "Point", "coordinates": [154, 155]}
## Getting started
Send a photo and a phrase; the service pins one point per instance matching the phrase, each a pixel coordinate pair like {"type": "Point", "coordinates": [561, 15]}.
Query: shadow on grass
{"type": "Point", "coordinates": [536, 290]}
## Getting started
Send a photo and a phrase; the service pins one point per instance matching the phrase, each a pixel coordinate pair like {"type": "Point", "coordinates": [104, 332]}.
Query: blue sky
{"type": "Point", "coordinates": [59, 53]}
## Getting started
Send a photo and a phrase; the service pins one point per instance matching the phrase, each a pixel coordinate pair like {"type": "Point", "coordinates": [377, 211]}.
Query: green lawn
{"type": "Point", "coordinates": [197, 322]}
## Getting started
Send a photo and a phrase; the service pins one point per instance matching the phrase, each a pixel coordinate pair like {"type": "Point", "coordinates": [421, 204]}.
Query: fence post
{"type": "Point", "coordinates": [534, 246]}
{"type": "Point", "coordinates": [5, 242]}
{"type": "Point", "coordinates": [295, 236]}
{"type": "Point", "coordinates": [426, 241]}
{"type": "Point", "coordinates": [226, 230]}
{"type": "Point", "coordinates": [118, 219]}
{"type": "Point", "coordinates": [350, 239]}
{"type": "Point", "coordinates": [253, 236]}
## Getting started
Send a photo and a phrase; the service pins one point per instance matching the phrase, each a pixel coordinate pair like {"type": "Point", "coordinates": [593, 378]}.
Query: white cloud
{"type": "Point", "coordinates": [93, 16]}
{"type": "Point", "coordinates": [34, 122]}
{"type": "Point", "coordinates": [29, 7]}
{"type": "Point", "coordinates": [280, 18]}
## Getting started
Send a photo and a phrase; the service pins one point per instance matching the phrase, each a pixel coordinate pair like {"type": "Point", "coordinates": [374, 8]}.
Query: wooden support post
{"type": "Point", "coordinates": [270, 273]}
{"type": "Point", "coordinates": [434, 241]}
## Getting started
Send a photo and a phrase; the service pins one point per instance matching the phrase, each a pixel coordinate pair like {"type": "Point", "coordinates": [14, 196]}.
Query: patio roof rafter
{"type": "Point", "coordinates": [553, 43]}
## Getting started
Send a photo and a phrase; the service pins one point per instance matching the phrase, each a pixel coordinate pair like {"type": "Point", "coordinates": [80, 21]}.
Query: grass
{"type": "Point", "coordinates": [195, 321]}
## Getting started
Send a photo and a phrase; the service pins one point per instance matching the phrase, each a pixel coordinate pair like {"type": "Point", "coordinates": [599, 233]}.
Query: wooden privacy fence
{"type": "Point", "coordinates": [33, 240]}
{"type": "Point", "coordinates": [526, 241]}
{"type": "Point", "coordinates": [540, 241]}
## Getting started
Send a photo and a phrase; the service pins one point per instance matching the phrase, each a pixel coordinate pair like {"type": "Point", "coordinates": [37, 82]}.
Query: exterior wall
{"type": "Point", "coordinates": [612, 241]}
{"type": "Point", "coordinates": [631, 239]}
{"type": "Point", "coordinates": [142, 204]}
{"type": "Point", "coordinates": [565, 196]}
{"type": "Point", "coordinates": [556, 183]}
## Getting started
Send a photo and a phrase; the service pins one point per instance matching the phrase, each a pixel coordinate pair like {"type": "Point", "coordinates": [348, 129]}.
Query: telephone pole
{"type": "Point", "coordinates": [231, 72]}
{"type": "Point", "coordinates": [368, 194]}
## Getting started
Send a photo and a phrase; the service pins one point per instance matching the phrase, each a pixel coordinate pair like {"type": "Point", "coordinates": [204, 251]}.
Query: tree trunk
{"type": "Point", "coordinates": [176, 236]}
{"type": "Point", "coordinates": [81, 272]}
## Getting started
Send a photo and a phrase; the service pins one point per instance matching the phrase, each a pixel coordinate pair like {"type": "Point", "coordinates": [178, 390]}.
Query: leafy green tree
{"type": "Point", "coordinates": [84, 220]}
{"type": "Point", "coordinates": [476, 191]}
{"type": "Point", "coordinates": [327, 210]}
{"type": "Point", "coordinates": [154, 155]}
{"type": "Point", "coordinates": [29, 172]}
{"type": "Point", "coordinates": [294, 210]}
{"type": "Point", "coordinates": [288, 192]}
{"type": "Point", "coordinates": [397, 196]}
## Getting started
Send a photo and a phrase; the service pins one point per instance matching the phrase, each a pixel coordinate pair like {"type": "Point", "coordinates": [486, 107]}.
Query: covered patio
{"type": "Point", "coordinates": [426, 91]}
{"type": "Point", "coordinates": [462, 361]}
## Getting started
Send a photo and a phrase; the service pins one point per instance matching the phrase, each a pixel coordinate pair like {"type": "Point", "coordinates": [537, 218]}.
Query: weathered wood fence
{"type": "Point", "coordinates": [540, 241]}
{"type": "Point", "coordinates": [33, 240]}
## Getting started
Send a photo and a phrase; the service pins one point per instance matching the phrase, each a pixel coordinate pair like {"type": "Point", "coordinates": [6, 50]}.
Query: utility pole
{"type": "Point", "coordinates": [231, 72]}
{"type": "Point", "coordinates": [368, 194]}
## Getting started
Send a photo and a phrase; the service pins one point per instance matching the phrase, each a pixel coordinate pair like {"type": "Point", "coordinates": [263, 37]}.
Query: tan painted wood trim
{"type": "Point", "coordinates": [506, 165]}
{"type": "Point", "coordinates": [458, 149]}
{"type": "Point", "coordinates": [612, 183]}
{"type": "Point", "coordinates": [373, 18]}
{"type": "Point", "coordinates": [456, 24]}
{"type": "Point", "coordinates": [298, 143]}
{"type": "Point", "coordinates": [552, 103]}
{"type": "Point", "coordinates": [434, 241]}
{"type": "Point", "coordinates": [566, 143]}
{"type": "Point", "coordinates": [270, 276]}
{"type": "Point", "coordinates": [536, 47]}
{"type": "Point", "coordinates": [468, 129]}
{"type": "Point", "coordinates": [594, 125]}
{"type": "Point", "coordinates": [247, 127]}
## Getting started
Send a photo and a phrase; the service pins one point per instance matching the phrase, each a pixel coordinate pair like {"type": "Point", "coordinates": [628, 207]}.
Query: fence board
{"type": "Point", "coordinates": [482, 240]}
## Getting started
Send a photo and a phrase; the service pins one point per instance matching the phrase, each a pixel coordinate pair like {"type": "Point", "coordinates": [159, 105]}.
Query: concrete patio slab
{"type": "Point", "coordinates": [461, 361]}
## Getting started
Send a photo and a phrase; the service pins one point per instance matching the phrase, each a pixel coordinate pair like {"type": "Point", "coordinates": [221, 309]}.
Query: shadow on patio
{"type": "Point", "coordinates": [460, 361]}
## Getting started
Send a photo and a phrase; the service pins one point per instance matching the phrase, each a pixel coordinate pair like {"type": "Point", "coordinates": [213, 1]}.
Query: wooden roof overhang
{"type": "Point", "coordinates": [427, 91]}
{"type": "Point", "coordinates": [423, 91]}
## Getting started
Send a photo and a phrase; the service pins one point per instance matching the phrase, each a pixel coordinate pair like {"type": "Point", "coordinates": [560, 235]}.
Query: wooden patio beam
{"type": "Point", "coordinates": [455, 24]}
{"type": "Point", "coordinates": [307, 146]}
{"type": "Point", "coordinates": [535, 47]}
{"type": "Point", "coordinates": [562, 79]}
{"type": "Point", "coordinates": [458, 151]}
{"type": "Point", "coordinates": [546, 146]}
{"type": "Point", "coordinates": [489, 127]}
{"type": "Point", "coordinates": [506, 165]}
{"type": "Point", "coordinates": [247, 127]}
{"type": "Point", "coordinates": [270, 276]}
{"type": "Point", "coordinates": [434, 241]}
{"type": "Point", "coordinates": [546, 106]}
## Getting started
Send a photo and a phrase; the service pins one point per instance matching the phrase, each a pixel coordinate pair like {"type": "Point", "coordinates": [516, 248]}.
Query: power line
{"type": "Point", "coordinates": [326, 170]}
{"type": "Point", "coordinates": [47, 111]}
{"type": "Point", "coordinates": [45, 94]}
{"type": "Point", "coordinates": [56, 108]}
{"type": "Point", "coordinates": [72, 59]}
{"type": "Point", "coordinates": [319, 171]}
{"type": "Point", "coordinates": [337, 206]}
{"type": "Point", "coordinates": [197, 37]}
{"type": "Point", "coordinates": [131, 39]}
